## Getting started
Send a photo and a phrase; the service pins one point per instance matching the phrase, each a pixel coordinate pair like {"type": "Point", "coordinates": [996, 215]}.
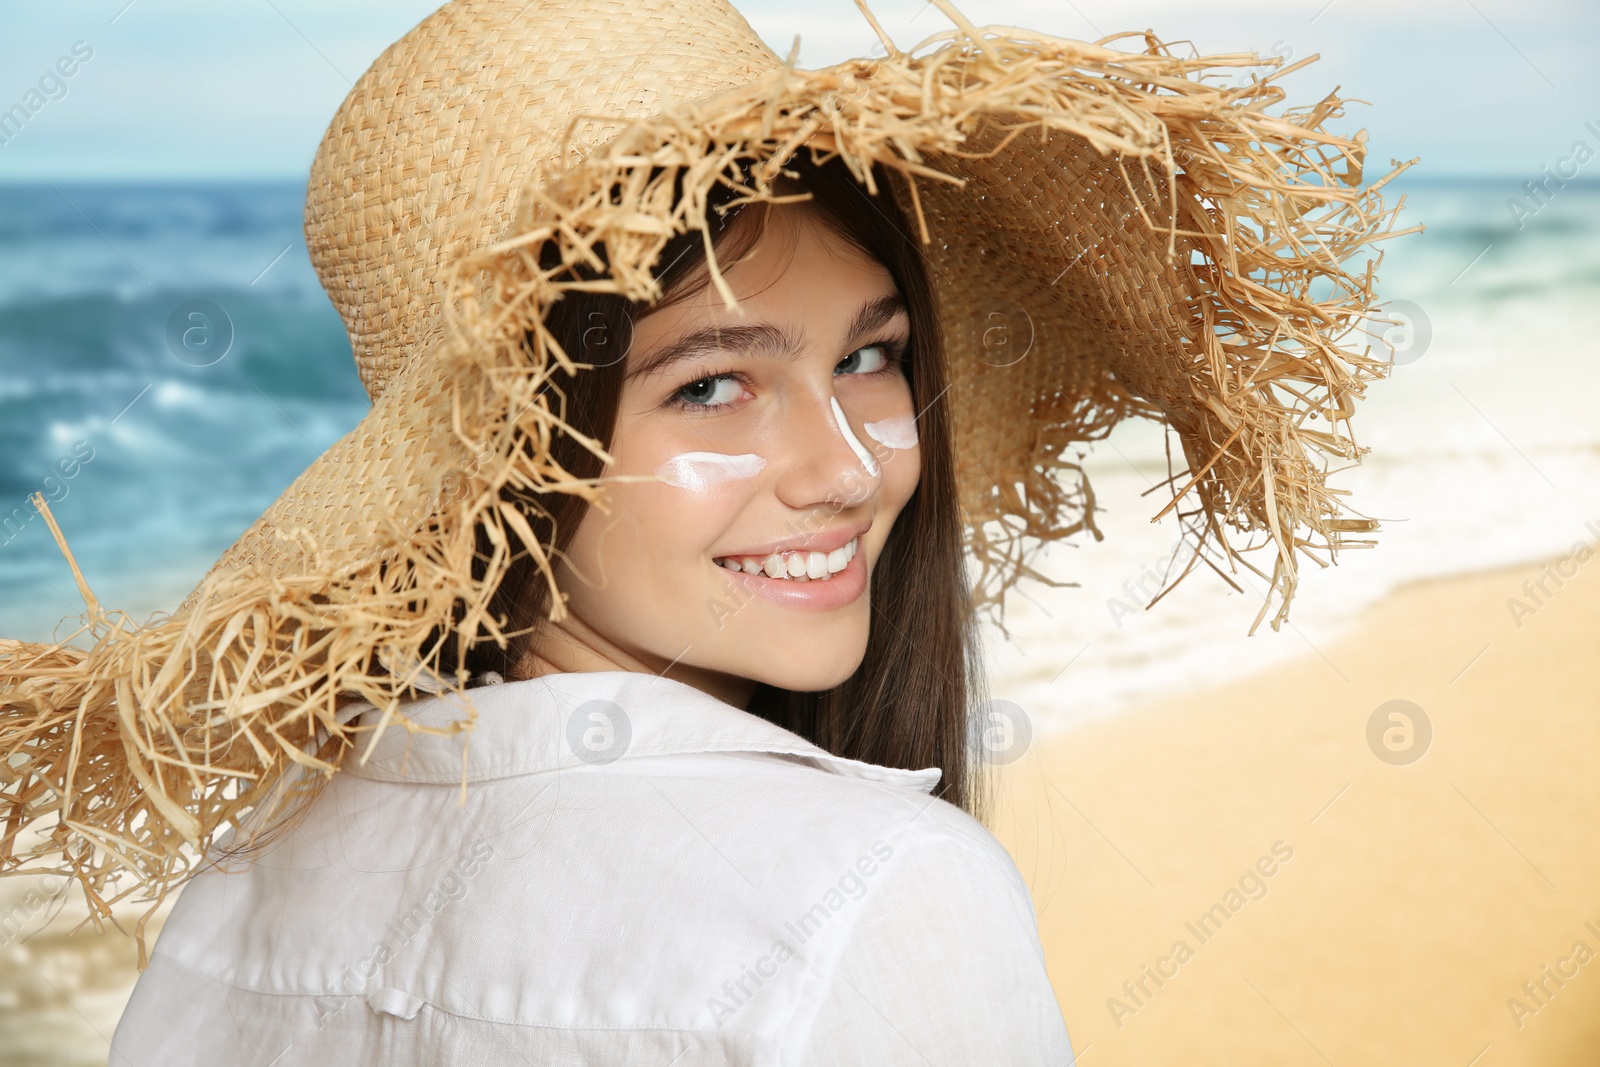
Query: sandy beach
{"type": "Point", "coordinates": [1237, 876]}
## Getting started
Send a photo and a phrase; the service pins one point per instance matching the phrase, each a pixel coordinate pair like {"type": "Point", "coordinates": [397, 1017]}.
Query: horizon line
{"type": "Point", "coordinates": [45, 180]}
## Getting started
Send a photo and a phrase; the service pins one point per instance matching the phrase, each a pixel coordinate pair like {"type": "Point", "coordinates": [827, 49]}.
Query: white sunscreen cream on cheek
{"type": "Point", "coordinates": [844, 427]}
{"type": "Point", "coordinates": [897, 433]}
{"type": "Point", "coordinates": [699, 471]}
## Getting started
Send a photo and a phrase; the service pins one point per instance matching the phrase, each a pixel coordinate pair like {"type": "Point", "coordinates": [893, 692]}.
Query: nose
{"type": "Point", "coordinates": [828, 464]}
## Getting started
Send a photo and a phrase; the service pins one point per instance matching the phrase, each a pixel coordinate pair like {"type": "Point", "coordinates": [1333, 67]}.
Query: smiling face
{"type": "Point", "coordinates": [785, 441]}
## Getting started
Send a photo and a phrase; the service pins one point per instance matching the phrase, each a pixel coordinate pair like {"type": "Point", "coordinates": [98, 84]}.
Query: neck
{"type": "Point", "coordinates": [571, 646]}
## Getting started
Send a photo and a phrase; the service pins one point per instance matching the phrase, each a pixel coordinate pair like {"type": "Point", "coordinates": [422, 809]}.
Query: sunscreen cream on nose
{"type": "Point", "coordinates": [699, 471]}
{"type": "Point", "coordinates": [897, 433]}
{"type": "Point", "coordinates": [844, 427]}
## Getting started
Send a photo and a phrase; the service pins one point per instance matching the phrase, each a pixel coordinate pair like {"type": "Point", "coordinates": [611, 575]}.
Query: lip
{"type": "Point", "coordinates": [822, 594]}
{"type": "Point", "coordinates": [826, 541]}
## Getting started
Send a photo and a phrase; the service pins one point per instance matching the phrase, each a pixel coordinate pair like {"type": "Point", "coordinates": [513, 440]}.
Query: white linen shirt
{"type": "Point", "coordinates": [640, 873]}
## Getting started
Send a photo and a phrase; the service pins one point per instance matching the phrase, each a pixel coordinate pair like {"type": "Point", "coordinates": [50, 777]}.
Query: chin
{"type": "Point", "coordinates": [805, 677]}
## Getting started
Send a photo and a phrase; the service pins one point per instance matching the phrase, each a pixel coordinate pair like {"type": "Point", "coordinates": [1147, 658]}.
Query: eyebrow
{"type": "Point", "coordinates": [762, 339]}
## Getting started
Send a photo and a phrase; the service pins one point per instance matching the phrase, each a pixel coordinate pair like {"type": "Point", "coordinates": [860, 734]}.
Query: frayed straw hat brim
{"type": "Point", "coordinates": [1162, 245]}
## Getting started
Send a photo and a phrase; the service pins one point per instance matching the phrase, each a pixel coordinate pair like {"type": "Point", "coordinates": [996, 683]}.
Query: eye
{"type": "Point", "coordinates": [712, 392]}
{"type": "Point", "coordinates": [722, 389]}
{"type": "Point", "coordinates": [877, 358]}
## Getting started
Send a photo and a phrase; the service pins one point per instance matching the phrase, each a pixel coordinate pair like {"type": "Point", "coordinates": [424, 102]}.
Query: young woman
{"type": "Point", "coordinates": [654, 541]}
{"type": "Point", "coordinates": [650, 867]}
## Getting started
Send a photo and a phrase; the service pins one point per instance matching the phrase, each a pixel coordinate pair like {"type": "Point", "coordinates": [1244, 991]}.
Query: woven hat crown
{"type": "Point", "coordinates": [424, 159]}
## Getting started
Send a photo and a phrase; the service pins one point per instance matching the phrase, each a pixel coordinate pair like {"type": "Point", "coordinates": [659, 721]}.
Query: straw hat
{"type": "Point", "coordinates": [1151, 239]}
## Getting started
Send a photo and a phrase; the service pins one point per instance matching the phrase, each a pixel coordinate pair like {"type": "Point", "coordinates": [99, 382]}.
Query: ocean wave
{"type": "Point", "coordinates": [31, 212]}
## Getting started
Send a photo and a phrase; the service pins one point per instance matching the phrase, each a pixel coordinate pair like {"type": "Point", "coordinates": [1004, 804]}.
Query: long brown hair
{"type": "Point", "coordinates": [909, 703]}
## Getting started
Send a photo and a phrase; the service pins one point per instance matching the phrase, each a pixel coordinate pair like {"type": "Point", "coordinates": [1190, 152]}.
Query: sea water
{"type": "Point", "coordinates": [186, 446]}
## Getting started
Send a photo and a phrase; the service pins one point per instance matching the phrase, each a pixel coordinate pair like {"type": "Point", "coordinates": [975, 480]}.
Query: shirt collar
{"type": "Point", "coordinates": [564, 721]}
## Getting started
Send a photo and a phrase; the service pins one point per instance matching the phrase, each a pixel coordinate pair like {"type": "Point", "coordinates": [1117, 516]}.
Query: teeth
{"type": "Point", "coordinates": [796, 566]}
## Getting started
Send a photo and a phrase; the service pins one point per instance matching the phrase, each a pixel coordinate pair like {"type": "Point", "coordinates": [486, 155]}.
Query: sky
{"type": "Point", "coordinates": [185, 89]}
